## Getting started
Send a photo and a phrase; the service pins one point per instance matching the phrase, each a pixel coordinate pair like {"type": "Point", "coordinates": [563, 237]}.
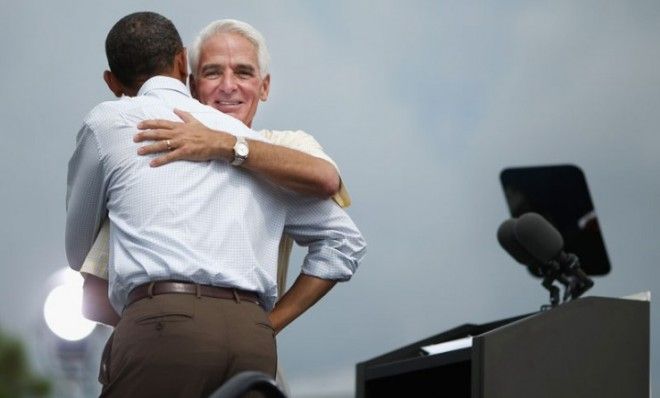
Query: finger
{"type": "Point", "coordinates": [185, 116]}
{"type": "Point", "coordinates": [167, 158]}
{"type": "Point", "coordinates": [157, 124]}
{"type": "Point", "coordinates": [152, 135]}
{"type": "Point", "coordinates": [158, 147]}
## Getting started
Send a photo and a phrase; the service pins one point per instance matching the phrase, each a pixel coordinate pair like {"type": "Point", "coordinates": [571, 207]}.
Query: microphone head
{"type": "Point", "coordinates": [507, 237]}
{"type": "Point", "coordinates": [538, 237]}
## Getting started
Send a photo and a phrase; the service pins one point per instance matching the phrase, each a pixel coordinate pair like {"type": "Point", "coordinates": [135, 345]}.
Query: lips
{"type": "Point", "coordinates": [228, 106]}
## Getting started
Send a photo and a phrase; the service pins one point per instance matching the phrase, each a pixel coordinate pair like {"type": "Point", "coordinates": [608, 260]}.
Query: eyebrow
{"type": "Point", "coordinates": [208, 67]}
{"type": "Point", "coordinates": [240, 67]}
{"type": "Point", "coordinates": [245, 68]}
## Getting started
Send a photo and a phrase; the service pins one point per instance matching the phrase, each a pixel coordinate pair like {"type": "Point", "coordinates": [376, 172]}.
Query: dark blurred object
{"type": "Point", "coordinates": [245, 382]}
{"type": "Point", "coordinates": [506, 235]}
{"type": "Point", "coordinates": [16, 378]}
{"type": "Point", "coordinates": [532, 241]}
{"type": "Point", "coordinates": [560, 194]}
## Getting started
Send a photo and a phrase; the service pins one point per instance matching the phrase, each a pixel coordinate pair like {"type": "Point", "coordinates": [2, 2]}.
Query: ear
{"type": "Point", "coordinates": [193, 86]}
{"type": "Point", "coordinates": [113, 83]}
{"type": "Point", "coordinates": [181, 65]}
{"type": "Point", "coordinates": [265, 88]}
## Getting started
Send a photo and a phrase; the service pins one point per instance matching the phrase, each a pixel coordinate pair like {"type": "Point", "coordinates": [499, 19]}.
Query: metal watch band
{"type": "Point", "coordinates": [241, 151]}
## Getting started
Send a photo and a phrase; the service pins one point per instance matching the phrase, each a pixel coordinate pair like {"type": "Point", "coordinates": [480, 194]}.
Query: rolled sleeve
{"type": "Point", "coordinates": [317, 264]}
{"type": "Point", "coordinates": [335, 245]}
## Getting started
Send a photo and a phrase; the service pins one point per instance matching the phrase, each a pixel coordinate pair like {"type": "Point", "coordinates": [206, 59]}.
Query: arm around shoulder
{"type": "Point", "coordinates": [293, 169]}
{"type": "Point", "coordinates": [293, 162]}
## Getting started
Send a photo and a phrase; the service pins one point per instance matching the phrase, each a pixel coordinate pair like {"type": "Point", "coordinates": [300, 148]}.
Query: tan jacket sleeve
{"type": "Point", "coordinates": [303, 142]}
{"type": "Point", "coordinates": [96, 262]}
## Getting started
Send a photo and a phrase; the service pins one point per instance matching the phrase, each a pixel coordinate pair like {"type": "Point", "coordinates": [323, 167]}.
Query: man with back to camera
{"type": "Point", "coordinates": [208, 223]}
{"type": "Point", "coordinates": [229, 71]}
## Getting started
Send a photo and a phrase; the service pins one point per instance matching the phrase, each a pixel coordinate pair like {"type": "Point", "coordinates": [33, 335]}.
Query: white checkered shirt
{"type": "Point", "coordinates": [96, 262]}
{"type": "Point", "coordinates": [205, 222]}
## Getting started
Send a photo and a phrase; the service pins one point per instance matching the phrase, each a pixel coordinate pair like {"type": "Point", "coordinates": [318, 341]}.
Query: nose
{"type": "Point", "coordinates": [228, 82]}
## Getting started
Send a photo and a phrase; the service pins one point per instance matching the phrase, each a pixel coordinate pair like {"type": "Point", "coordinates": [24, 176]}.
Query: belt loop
{"type": "Point", "coordinates": [236, 296]}
{"type": "Point", "coordinates": [150, 289]}
{"type": "Point", "coordinates": [198, 290]}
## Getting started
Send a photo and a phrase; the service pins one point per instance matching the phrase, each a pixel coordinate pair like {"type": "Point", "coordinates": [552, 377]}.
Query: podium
{"type": "Point", "coordinates": [590, 347]}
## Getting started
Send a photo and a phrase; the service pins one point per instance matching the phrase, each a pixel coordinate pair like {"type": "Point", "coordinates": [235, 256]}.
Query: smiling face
{"type": "Point", "coordinates": [228, 78]}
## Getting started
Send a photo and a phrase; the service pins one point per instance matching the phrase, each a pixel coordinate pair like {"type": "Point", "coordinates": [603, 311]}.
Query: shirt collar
{"type": "Point", "coordinates": [163, 83]}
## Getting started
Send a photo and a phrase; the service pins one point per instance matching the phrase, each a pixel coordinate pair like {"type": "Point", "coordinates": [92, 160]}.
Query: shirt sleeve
{"type": "Point", "coordinates": [304, 142]}
{"type": "Point", "coordinates": [85, 198]}
{"type": "Point", "coordinates": [335, 245]}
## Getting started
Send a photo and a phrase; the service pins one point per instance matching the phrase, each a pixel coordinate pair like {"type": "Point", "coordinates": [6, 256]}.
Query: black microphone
{"type": "Point", "coordinates": [507, 238]}
{"type": "Point", "coordinates": [538, 237]}
{"type": "Point", "coordinates": [507, 235]}
{"type": "Point", "coordinates": [544, 242]}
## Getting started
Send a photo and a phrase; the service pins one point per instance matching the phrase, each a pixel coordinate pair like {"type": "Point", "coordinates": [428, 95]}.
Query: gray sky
{"type": "Point", "coordinates": [421, 106]}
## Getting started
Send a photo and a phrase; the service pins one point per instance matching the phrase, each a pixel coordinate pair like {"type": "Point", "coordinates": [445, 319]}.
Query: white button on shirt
{"type": "Point", "coordinates": [205, 222]}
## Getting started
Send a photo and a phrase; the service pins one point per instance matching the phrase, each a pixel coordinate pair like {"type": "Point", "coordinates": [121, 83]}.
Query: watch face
{"type": "Point", "coordinates": [241, 150]}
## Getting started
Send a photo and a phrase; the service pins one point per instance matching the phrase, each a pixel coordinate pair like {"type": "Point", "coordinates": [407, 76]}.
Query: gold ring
{"type": "Point", "coordinates": [169, 145]}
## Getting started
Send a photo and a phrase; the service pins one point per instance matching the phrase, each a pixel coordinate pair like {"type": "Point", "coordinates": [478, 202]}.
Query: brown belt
{"type": "Point", "coordinates": [168, 287]}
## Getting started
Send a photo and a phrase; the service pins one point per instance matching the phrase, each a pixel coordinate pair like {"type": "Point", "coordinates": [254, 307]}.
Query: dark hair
{"type": "Point", "coordinates": [140, 46]}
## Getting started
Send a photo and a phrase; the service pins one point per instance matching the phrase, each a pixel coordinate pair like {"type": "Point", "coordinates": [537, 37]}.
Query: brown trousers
{"type": "Point", "coordinates": [179, 345]}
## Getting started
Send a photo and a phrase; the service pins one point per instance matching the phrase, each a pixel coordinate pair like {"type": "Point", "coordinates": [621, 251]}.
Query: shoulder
{"type": "Point", "coordinates": [291, 138]}
{"type": "Point", "coordinates": [299, 140]}
{"type": "Point", "coordinates": [95, 120]}
{"type": "Point", "coordinates": [304, 142]}
{"type": "Point", "coordinates": [99, 113]}
{"type": "Point", "coordinates": [109, 112]}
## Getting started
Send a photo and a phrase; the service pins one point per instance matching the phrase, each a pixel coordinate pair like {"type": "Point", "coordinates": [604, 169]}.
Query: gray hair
{"type": "Point", "coordinates": [230, 26]}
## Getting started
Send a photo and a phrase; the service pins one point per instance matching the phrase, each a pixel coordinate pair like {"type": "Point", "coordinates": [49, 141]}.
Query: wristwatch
{"type": "Point", "coordinates": [241, 151]}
